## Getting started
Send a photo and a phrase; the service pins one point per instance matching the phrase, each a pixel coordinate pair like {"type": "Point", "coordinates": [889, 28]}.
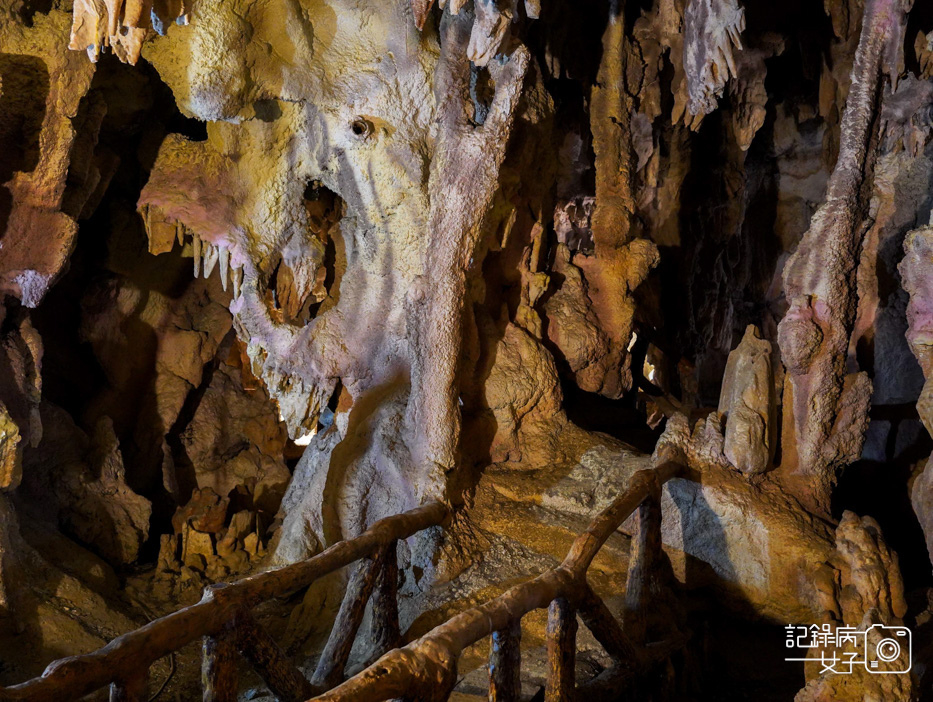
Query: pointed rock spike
{"type": "Point", "coordinates": [420, 9]}
{"type": "Point", "coordinates": [196, 253]}
{"type": "Point", "coordinates": [237, 275]}
{"type": "Point", "coordinates": [210, 259]}
{"type": "Point", "coordinates": [224, 266]}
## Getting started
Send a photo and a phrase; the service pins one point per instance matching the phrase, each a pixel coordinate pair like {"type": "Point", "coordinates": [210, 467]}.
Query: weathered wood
{"type": "Point", "coordinates": [561, 651]}
{"type": "Point", "coordinates": [385, 627]}
{"type": "Point", "coordinates": [134, 689]}
{"type": "Point", "coordinates": [643, 483]}
{"type": "Point", "coordinates": [72, 678]}
{"type": "Point", "coordinates": [505, 663]}
{"type": "Point", "coordinates": [423, 670]}
{"type": "Point", "coordinates": [219, 666]}
{"type": "Point", "coordinates": [643, 557]}
{"type": "Point", "coordinates": [605, 627]}
{"type": "Point", "coordinates": [413, 669]}
{"type": "Point", "coordinates": [285, 681]}
{"type": "Point", "coordinates": [329, 671]}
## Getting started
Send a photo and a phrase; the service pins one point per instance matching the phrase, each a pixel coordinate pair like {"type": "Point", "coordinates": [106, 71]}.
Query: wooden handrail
{"type": "Point", "coordinates": [425, 669]}
{"type": "Point", "coordinates": [124, 659]}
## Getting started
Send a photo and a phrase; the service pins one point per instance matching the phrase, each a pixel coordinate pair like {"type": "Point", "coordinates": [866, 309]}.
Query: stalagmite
{"type": "Point", "coordinates": [829, 404]}
{"type": "Point", "coordinates": [747, 401]}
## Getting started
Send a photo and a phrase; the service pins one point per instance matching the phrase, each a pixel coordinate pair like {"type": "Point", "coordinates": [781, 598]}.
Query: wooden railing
{"type": "Point", "coordinates": [223, 619]}
{"type": "Point", "coordinates": [425, 670]}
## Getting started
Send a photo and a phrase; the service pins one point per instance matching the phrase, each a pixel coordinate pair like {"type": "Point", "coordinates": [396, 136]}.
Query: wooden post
{"type": "Point", "coordinates": [385, 627]}
{"type": "Point", "coordinates": [505, 663]}
{"type": "Point", "coordinates": [643, 558]}
{"type": "Point", "coordinates": [218, 666]}
{"type": "Point", "coordinates": [605, 628]}
{"type": "Point", "coordinates": [561, 651]}
{"type": "Point", "coordinates": [75, 677]}
{"type": "Point", "coordinates": [133, 689]}
{"type": "Point", "coordinates": [329, 671]}
{"type": "Point", "coordinates": [268, 659]}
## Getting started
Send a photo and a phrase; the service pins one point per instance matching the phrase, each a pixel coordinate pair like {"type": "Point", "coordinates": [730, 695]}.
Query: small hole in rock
{"type": "Point", "coordinates": [361, 127]}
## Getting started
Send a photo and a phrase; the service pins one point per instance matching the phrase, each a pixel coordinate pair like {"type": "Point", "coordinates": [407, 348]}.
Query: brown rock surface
{"type": "Point", "coordinates": [83, 482]}
{"type": "Point", "coordinates": [748, 405]}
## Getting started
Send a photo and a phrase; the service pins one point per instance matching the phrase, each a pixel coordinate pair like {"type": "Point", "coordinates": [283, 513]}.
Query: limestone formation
{"type": "Point", "coordinates": [574, 329]}
{"type": "Point", "coordinates": [864, 591]}
{"type": "Point", "coordinates": [83, 482]}
{"type": "Point", "coordinates": [712, 30]}
{"type": "Point", "coordinates": [445, 325]}
{"type": "Point", "coordinates": [11, 469]}
{"type": "Point", "coordinates": [121, 26]}
{"type": "Point", "coordinates": [39, 132]}
{"type": "Point", "coordinates": [621, 259]}
{"type": "Point", "coordinates": [917, 275]}
{"type": "Point", "coordinates": [102, 510]}
{"type": "Point", "coordinates": [748, 404]}
{"type": "Point", "coordinates": [829, 403]}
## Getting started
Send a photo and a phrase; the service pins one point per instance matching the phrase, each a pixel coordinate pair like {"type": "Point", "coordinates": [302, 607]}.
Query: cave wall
{"type": "Point", "coordinates": [273, 271]}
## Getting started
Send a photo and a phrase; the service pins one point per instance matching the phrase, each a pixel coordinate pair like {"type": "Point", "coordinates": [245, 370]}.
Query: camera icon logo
{"type": "Point", "coordinates": [885, 645]}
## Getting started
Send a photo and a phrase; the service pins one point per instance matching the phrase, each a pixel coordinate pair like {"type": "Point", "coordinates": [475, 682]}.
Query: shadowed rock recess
{"type": "Point", "coordinates": [274, 270]}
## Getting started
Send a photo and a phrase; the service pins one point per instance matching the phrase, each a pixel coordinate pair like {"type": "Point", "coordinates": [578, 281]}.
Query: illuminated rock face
{"type": "Point", "coordinates": [275, 270]}
{"type": "Point", "coordinates": [372, 112]}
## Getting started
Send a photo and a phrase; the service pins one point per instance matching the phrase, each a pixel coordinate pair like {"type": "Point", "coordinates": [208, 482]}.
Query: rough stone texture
{"type": "Point", "coordinates": [574, 329]}
{"type": "Point", "coordinates": [240, 203]}
{"type": "Point", "coordinates": [521, 391]}
{"type": "Point", "coordinates": [621, 259]}
{"type": "Point", "coordinates": [206, 511]}
{"type": "Point", "coordinates": [748, 405]}
{"type": "Point", "coordinates": [11, 469]}
{"type": "Point", "coordinates": [21, 385]}
{"type": "Point", "coordinates": [374, 188]}
{"type": "Point", "coordinates": [183, 336]}
{"type": "Point", "coordinates": [82, 480]}
{"type": "Point", "coordinates": [235, 438]}
{"type": "Point", "coordinates": [917, 275]}
{"type": "Point", "coordinates": [38, 234]}
{"type": "Point", "coordinates": [374, 469]}
{"type": "Point", "coordinates": [829, 403]}
{"type": "Point", "coordinates": [861, 587]}
{"type": "Point", "coordinates": [918, 281]}
{"type": "Point", "coordinates": [711, 32]}
{"type": "Point", "coordinates": [101, 509]}
{"type": "Point", "coordinates": [121, 25]}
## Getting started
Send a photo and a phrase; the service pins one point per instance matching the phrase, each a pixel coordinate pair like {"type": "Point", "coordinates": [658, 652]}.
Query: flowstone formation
{"type": "Point", "coordinates": [275, 271]}
{"type": "Point", "coordinates": [830, 405]}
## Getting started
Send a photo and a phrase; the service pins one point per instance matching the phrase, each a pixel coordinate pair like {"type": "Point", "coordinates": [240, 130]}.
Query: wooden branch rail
{"type": "Point", "coordinates": [222, 619]}
{"type": "Point", "coordinates": [425, 670]}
